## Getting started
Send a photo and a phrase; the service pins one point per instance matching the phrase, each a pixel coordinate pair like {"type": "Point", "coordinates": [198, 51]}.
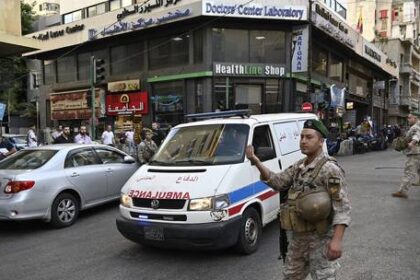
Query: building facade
{"type": "Point", "coordinates": [170, 58]}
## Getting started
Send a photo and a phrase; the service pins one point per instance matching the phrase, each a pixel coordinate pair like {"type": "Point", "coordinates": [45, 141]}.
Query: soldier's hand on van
{"type": "Point", "coordinates": [250, 154]}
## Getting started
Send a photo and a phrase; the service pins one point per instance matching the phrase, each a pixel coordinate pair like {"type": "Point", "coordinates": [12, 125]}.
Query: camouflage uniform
{"type": "Point", "coordinates": [307, 250]}
{"type": "Point", "coordinates": [146, 150]}
{"type": "Point", "coordinates": [413, 159]}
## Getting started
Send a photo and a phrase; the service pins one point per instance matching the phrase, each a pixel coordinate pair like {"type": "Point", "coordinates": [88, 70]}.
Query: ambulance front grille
{"type": "Point", "coordinates": [163, 203]}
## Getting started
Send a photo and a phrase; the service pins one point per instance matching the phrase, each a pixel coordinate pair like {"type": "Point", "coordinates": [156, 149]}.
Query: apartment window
{"type": "Point", "coordinates": [66, 69]}
{"type": "Point", "coordinates": [226, 42]}
{"type": "Point", "coordinates": [267, 46]}
{"type": "Point", "coordinates": [126, 3]}
{"type": "Point", "coordinates": [96, 10]}
{"type": "Point", "coordinates": [74, 16]}
{"type": "Point", "coordinates": [127, 58]}
{"type": "Point", "coordinates": [319, 60]}
{"type": "Point", "coordinates": [198, 46]}
{"type": "Point", "coordinates": [114, 5]}
{"type": "Point", "coordinates": [83, 64]}
{"type": "Point", "coordinates": [49, 72]}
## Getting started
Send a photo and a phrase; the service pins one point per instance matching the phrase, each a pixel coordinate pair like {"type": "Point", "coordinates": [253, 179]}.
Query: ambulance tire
{"type": "Point", "coordinates": [64, 210]}
{"type": "Point", "coordinates": [250, 232]}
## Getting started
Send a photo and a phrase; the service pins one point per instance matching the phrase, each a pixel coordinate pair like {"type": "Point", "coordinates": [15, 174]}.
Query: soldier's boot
{"type": "Point", "coordinates": [400, 194]}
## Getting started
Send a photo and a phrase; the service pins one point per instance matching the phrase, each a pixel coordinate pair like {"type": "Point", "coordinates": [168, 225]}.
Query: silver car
{"type": "Point", "coordinates": [54, 182]}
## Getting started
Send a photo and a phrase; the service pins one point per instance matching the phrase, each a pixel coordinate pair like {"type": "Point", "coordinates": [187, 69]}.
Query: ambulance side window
{"type": "Point", "coordinates": [263, 143]}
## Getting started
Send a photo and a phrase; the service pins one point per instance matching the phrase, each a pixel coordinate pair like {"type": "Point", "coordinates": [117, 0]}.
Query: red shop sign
{"type": "Point", "coordinates": [127, 103]}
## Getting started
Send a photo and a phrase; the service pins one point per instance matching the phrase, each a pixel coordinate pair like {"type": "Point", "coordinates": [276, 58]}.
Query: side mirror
{"type": "Point", "coordinates": [129, 159]}
{"type": "Point", "coordinates": [265, 153]}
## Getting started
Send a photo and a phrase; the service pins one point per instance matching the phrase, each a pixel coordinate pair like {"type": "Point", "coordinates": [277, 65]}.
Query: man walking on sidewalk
{"type": "Point", "coordinates": [413, 155]}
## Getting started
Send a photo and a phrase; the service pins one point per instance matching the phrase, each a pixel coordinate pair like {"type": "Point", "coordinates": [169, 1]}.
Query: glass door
{"type": "Point", "coordinates": [248, 97]}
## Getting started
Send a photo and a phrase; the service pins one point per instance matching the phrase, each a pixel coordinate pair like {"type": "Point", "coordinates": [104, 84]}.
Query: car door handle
{"type": "Point", "coordinates": [74, 174]}
{"type": "Point", "coordinates": [280, 164]}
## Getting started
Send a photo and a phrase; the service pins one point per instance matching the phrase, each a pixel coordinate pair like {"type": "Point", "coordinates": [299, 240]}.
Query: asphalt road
{"type": "Point", "coordinates": [382, 243]}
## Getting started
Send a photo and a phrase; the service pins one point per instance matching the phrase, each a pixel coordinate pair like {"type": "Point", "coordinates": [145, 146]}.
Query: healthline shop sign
{"type": "Point", "coordinates": [248, 70]}
{"type": "Point", "coordinates": [266, 9]}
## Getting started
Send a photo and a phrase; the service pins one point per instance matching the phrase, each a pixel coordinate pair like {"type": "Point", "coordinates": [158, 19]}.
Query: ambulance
{"type": "Point", "coordinates": [200, 191]}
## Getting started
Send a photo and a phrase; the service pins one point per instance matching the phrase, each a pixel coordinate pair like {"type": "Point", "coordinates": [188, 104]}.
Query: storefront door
{"type": "Point", "coordinates": [249, 97]}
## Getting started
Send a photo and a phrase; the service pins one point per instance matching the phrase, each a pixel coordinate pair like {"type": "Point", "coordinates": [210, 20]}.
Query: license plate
{"type": "Point", "coordinates": [153, 233]}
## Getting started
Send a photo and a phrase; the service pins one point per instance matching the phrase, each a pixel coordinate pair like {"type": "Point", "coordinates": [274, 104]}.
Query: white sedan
{"type": "Point", "coordinates": [55, 182]}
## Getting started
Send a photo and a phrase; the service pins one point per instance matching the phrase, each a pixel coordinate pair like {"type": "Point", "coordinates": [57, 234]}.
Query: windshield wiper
{"type": "Point", "coordinates": [194, 161]}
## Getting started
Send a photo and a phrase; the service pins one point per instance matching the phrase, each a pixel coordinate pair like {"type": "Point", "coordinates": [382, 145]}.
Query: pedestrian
{"type": "Point", "coordinates": [65, 137]}
{"type": "Point", "coordinates": [108, 136]}
{"type": "Point", "coordinates": [158, 134]}
{"type": "Point", "coordinates": [31, 138]}
{"type": "Point", "coordinates": [412, 152]}
{"type": "Point", "coordinates": [57, 132]}
{"type": "Point", "coordinates": [317, 210]}
{"type": "Point", "coordinates": [82, 137]}
{"type": "Point", "coordinates": [147, 147]}
{"type": "Point", "coordinates": [6, 144]}
{"type": "Point", "coordinates": [130, 145]}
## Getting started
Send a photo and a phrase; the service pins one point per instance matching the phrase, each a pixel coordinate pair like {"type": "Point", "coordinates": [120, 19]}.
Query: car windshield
{"type": "Point", "coordinates": [203, 145]}
{"type": "Point", "coordinates": [27, 159]}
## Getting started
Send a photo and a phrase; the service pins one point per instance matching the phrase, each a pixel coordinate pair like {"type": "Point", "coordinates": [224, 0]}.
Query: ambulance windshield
{"type": "Point", "coordinates": [203, 145]}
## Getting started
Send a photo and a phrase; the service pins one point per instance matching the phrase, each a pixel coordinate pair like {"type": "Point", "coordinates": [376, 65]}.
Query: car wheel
{"type": "Point", "coordinates": [250, 232]}
{"type": "Point", "coordinates": [64, 210]}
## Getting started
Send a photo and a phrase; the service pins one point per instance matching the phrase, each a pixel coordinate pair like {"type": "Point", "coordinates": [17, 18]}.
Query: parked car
{"type": "Point", "coordinates": [19, 140]}
{"type": "Point", "coordinates": [55, 182]}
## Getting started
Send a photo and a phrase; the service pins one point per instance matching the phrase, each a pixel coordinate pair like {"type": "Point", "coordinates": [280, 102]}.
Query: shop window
{"type": "Point", "coordinates": [83, 64]}
{"type": "Point", "coordinates": [198, 46]}
{"type": "Point", "coordinates": [223, 94]}
{"type": "Point", "coordinates": [248, 97]}
{"type": "Point", "coordinates": [49, 72]}
{"type": "Point", "coordinates": [199, 96]}
{"type": "Point", "coordinates": [66, 69]}
{"type": "Point", "coordinates": [336, 68]}
{"type": "Point", "coordinates": [267, 46]}
{"type": "Point", "coordinates": [273, 95]}
{"type": "Point", "coordinates": [319, 60]}
{"type": "Point", "coordinates": [127, 58]}
{"type": "Point", "coordinates": [168, 102]}
{"type": "Point", "coordinates": [226, 42]}
{"type": "Point", "coordinates": [169, 52]}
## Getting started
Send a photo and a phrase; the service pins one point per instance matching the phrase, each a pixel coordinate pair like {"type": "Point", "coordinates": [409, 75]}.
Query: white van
{"type": "Point", "coordinates": [200, 190]}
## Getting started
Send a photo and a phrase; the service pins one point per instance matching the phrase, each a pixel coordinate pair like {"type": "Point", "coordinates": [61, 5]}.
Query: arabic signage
{"type": "Point", "coordinates": [127, 103]}
{"type": "Point", "coordinates": [122, 86]}
{"type": "Point", "coordinates": [74, 106]}
{"type": "Point", "coordinates": [248, 70]}
{"type": "Point", "coordinates": [142, 8]}
{"type": "Point", "coordinates": [333, 25]}
{"type": "Point", "coordinates": [58, 33]}
{"type": "Point", "coordinates": [140, 23]}
{"type": "Point", "coordinates": [253, 9]}
{"type": "Point", "coordinates": [300, 49]}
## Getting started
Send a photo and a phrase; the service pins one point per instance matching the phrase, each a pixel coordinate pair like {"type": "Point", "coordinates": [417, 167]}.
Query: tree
{"type": "Point", "coordinates": [27, 17]}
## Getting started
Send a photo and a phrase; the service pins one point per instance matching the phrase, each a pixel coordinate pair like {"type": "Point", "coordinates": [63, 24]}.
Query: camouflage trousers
{"type": "Point", "coordinates": [411, 168]}
{"type": "Point", "coordinates": [307, 255]}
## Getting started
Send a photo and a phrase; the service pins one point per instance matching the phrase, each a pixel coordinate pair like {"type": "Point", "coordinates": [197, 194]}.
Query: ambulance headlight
{"type": "Point", "coordinates": [209, 203]}
{"type": "Point", "coordinates": [126, 200]}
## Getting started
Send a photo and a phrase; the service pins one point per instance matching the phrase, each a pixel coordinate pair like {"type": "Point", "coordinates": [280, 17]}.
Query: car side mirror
{"type": "Point", "coordinates": [129, 159]}
{"type": "Point", "coordinates": [265, 153]}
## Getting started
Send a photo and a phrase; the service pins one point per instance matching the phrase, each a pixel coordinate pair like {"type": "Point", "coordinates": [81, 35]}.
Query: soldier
{"type": "Point", "coordinates": [147, 147]}
{"type": "Point", "coordinates": [413, 155]}
{"type": "Point", "coordinates": [318, 209]}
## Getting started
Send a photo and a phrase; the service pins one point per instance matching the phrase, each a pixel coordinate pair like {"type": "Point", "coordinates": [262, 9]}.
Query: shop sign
{"type": "Point", "coordinates": [337, 96]}
{"type": "Point", "coordinates": [300, 42]}
{"type": "Point", "coordinates": [140, 23]}
{"type": "Point", "coordinates": [59, 33]}
{"type": "Point", "coordinates": [254, 9]}
{"type": "Point", "coordinates": [142, 9]}
{"type": "Point", "coordinates": [121, 86]}
{"type": "Point", "coordinates": [73, 105]}
{"type": "Point", "coordinates": [131, 103]}
{"type": "Point", "coordinates": [248, 70]}
{"type": "Point", "coordinates": [333, 25]}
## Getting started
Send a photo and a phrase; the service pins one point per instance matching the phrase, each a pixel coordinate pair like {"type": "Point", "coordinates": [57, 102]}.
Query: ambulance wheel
{"type": "Point", "coordinates": [64, 210]}
{"type": "Point", "coordinates": [250, 232]}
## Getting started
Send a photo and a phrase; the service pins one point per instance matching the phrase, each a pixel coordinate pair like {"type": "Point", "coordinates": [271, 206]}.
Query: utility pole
{"type": "Point", "coordinates": [93, 93]}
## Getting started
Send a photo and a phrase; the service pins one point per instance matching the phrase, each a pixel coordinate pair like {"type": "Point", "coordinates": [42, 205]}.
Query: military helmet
{"type": "Point", "coordinates": [314, 206]}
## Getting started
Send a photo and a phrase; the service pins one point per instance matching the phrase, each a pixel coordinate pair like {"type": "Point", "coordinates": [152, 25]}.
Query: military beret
{"type": "Point", "coordinates": [415, 113]}
{"type": "Point", "coordinates": [316, 125]}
